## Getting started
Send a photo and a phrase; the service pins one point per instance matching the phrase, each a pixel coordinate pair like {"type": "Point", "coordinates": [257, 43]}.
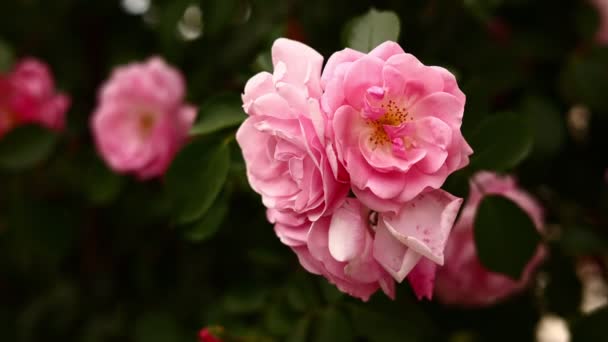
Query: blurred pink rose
{"type": "Point", "coordinates": [27, 95]}
{"type": "Point", "coordinates": [395, 123]}
{"type": "Point", "coordinates": [283, 139]}
{"type": "Point", "coordinates": [463, 280]}
{"type": "Point", "coordinates": [141, 120]}
{"type": "Point", "coordinates": [339, 247]}
{"type": "Point", "coordinates": [602, 32]}
{"type": "Point", "coordinates": [411, 242]}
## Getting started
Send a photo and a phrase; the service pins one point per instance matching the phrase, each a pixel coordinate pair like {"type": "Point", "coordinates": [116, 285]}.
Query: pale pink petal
{"type": "Point", "coordinates": [424, 224]}
{"type": "Point", "coordinates": [386, 50]}
{"type": "Point", "coordinates": [272, 104]}
{"type": "Point", "coordinates": [303, 64]}
{"type": "Point", "coordinates": [362, 74]}
{"type": "Point", "coordinates": [440, 105]}
{"type": "Point", "coordinates": [335, 61]}
{"type": "Point", "coordinates": [394, 81]}
{"type": "Point", "coordinates": [347, 232]}
{"type": "Point", "coordinates": [257, 86]}
{"type": "Point", "coordinates": [396, 258]}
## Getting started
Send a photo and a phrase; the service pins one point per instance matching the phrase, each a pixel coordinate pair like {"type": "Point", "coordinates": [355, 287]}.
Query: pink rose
{"type": "Point", "coordinates": [141, 120]}
{"type": "Point", "coordinates": [283, 139]}
{"type": "Point", "coordinates": [395, 123]}
{"type": "Point", "coordinates": [27, 95]}
{"type": "Point", "coordinates": [339, 247]}
{"type": "Point", "coordinates": [411, 242]}
{"type": "Point", "coordinates": [463, 280]}
{"type": "Point", "coordinates": [602, 33]}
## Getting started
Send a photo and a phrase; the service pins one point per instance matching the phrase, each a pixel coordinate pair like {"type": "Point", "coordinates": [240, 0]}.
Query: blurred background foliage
{"type": "Point", "coordinates": [87, 255]}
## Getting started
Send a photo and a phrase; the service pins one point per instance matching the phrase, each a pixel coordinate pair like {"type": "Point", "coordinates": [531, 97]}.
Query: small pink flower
{"type": "Point", "coordinates": [141, 120]}
{"type": "Point", "coordinates": [27, 95]}
{"type": "Point", "coordinates": [411, 242]}
{"type": "Point", "coordinates": [463, 280]}
{"type": "Point", "coordinates": [283, 139]}
{"type": "Point", "coordinates": [602, 33]}
{"type": "Point", "coordinates": [210, 334]}
{"type": "Point", "coordinates": [395, 123]}
{"type": "Point", "coordinates": [338, 247]}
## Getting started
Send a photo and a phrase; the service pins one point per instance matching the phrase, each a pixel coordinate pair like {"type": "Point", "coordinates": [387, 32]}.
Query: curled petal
{"type": "Point", "coordinates": [424, 224]}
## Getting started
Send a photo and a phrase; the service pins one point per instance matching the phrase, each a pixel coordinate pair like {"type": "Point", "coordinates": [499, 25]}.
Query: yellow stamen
{"type": "Point", "coordinates": [394, 116]}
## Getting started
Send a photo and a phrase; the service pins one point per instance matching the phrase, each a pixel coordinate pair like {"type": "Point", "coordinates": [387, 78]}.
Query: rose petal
{"type": "Point", "coordinates": [424, 224]}
{"type": "Point", "coordinates": [302, 63]}
{"type": "Point", "coordinates": [347, 232]}
{"type": "Point", "coordinates": [392, 255]}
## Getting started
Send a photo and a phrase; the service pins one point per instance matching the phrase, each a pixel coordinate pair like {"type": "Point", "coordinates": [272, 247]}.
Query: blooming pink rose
{"type": "Point", "coordinates": [411, 242]}
{"type": "Point", "coordinates": [283, 139]}
{"type": "Point", "coordinates": [339, 247]}
{"type": "Point", "coordinates": [395, 123]}
{"type": "Point", "coordinates": [463, 280]}
{"type": "Point", "coordinates": [602, 33]}
{"type": "Point", "coordinates": [27, 95]}
{"type": "Point", "coordinates": [141, 120]}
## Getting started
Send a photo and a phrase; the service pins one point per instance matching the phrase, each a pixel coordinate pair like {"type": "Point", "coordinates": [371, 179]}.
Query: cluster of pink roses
{"type": "Point", "coordinates": [349, 160]}
{"type": "Point", "coordinates": [382, 126]}
{"type": "Point", "coordinates": [139, 125]}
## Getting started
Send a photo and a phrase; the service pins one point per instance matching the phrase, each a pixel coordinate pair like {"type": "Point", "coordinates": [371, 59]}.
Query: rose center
{"type": "Point", "coordinates": [394, 115]}
{"type": "Point", "coordinates": [146, 123]}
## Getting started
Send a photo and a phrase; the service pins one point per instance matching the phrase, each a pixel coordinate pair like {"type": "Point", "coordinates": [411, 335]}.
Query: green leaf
{"type": "Point", "coordinates": [245, 301]}
{"type": "Point", "coordinates": [196, 177]}
{"type": "Point", "coordinates": [505, 236]}
{"type": "Point", "coordinates": [156, 327]}
{"type": "Point", "coordinates": [218, 15]}
{"type": "Point", "coordinates": [330, 292]}
{"type": "Point", "coordinates": [101, 185]}
{"type": "Point", "coordinates": [25, 147]}
{"type": "Point", "coordinates": [277, 319]}
{"type": "Point", "coordinates": [333, 326]}
{"type": "Point", "coordinates": [210, 223]}
{"type": "Point", "coordinates": [218, 113]}
{"type": "Point", "coordinates": [546, 124]}
{"type": "Point", "coordinates": [582, 240]}
{"type": "Point", "coordinates": [390, 322]}
{"type": "Point", "coordinates": [263, 62]}
{"type": "Point", "coordinates": [301, 292]}
{"type": "Point", "coordinates": [562, 293]}
{"type": "Point", "coordinates": [500, 143]}
{"type": "Point", "coordinates": [7, 56]}
{"type": "Point", "coordinates": [591, 327]}
{"type": "Point", "coordinates": [585, 78]}
{"type": "Point", "coordinates": [301, 331]}
{"type": "Point", "coordinates": [365, 32]}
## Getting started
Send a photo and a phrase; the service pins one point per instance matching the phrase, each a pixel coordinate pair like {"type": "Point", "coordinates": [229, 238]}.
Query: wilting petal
{"type": "Point", "coordinates": [395, 257]}
{"type": "Point", "coordinates": [424, 223]}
